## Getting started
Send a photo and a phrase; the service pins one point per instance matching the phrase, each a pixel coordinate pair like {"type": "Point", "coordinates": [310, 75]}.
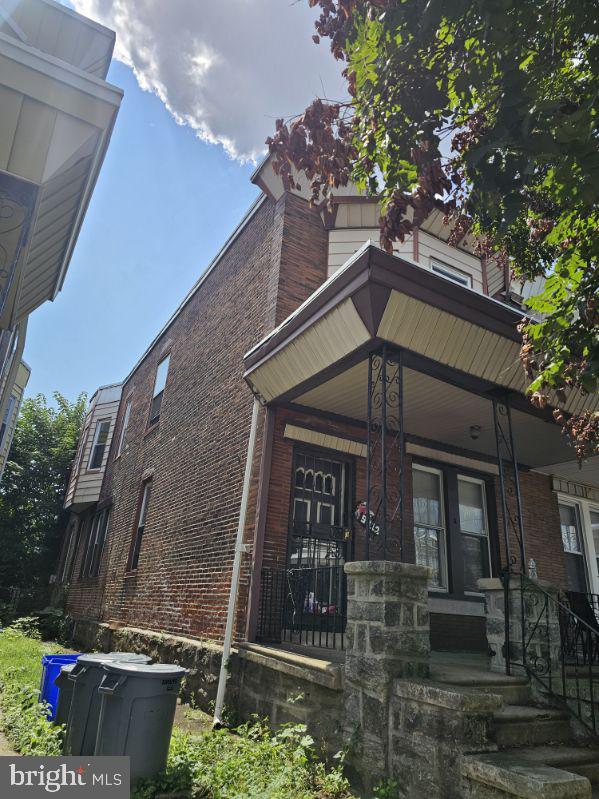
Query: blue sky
{"type": "Point", "coordinates": [164, 204]}
{"type": "Point", "coordinates": [170, 194]}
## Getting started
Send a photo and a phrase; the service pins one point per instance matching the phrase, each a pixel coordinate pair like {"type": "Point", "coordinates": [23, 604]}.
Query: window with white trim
{"type": "Point", "coordinates": [96, 457]}
{"type": "Point", "coordinates": [124, 426]}
{"type": "Point", "coordinates": [430, 533]}
{"type": "Point", "coordinates": [7, 418]}
{"type": "Point", "coordinates": [474, 531]}
{"type": "Point", "coordinates": [158, 393]}
{"type": "Point", "coordinates": [451, 273]}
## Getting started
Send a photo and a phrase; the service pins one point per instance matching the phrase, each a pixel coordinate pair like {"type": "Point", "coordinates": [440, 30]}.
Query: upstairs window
{"type": "Point", "coordinates": [124, 426]}
{"type": "Point", "coordinates": [7, 417]}
{"type": "Point", "coordinates": [96, 457]}
{"type": "Point", "coordinates": [159, 384]}
{"type": "Point", "coordinates": [140, 525]}
{"type": "Point", "coordinates": [451, 273]}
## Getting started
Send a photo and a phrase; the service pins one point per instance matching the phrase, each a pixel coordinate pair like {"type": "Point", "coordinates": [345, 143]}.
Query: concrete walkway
{"type": "Point", "coordinates": [5, 747]}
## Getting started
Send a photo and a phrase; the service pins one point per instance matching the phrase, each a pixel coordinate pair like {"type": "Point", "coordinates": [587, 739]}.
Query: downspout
{"type": "Point", "coordinates": [239, 550]}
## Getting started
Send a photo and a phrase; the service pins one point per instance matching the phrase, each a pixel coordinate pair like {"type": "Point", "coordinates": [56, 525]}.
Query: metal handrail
{"type": "Point", "coordinates": [570, 680]}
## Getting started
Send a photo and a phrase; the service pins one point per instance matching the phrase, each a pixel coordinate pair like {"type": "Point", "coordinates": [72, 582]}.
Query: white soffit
{"type": "Point", "coordinates": [452, 341]}
{"type": "Point", "coordinates": [328, 340]}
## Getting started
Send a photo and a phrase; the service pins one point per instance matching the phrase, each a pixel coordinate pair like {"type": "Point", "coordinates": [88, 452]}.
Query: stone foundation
{"type": "Point", "coordinates": [200, 658]}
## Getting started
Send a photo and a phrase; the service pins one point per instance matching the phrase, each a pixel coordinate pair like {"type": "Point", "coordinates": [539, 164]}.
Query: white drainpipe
{"type": "Point", "coordinates": [239, 550]}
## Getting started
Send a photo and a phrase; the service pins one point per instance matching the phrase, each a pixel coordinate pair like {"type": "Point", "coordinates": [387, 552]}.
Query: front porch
{"type": "Point", "coordinates": [401, 396]}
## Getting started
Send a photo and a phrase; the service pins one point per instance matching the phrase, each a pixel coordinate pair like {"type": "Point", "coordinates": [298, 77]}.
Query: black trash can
{"type": "Point", "coordinates": [86, 676]}
{"type": "Point", "coordinates": [136, 714]}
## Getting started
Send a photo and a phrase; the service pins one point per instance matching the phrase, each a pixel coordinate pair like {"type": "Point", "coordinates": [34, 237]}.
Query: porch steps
{"type": "Point", "coordinates": [538, 757]}
{"type": "Point", "coordinates": [503, 775]}
{"type": "Point", "coordinates": [527, 725]}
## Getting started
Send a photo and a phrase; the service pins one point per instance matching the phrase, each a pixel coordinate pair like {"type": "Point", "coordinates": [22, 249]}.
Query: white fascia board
{"type": "Point", "coordinates": [54, 68]}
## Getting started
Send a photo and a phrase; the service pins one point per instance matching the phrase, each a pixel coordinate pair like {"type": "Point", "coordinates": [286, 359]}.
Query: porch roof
{"type": "Point", "coordinates": [460, 348]}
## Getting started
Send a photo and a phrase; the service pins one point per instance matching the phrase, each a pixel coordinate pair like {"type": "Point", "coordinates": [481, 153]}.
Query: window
{"type": "Point", "coordinates": [573, 547]}
{"type": "Point", "coordinates": [69, 557]}
{"type": "Point", "coordinates": [7, 418]}
{"type": "Point", "coordinates": [451, 273]}
{"type": "Point", "coordinates": [159, 384]}
{"type": "Point", "coordinates": [429, 523]}
{"type": "Point", "coordinates": [96, 457]}
{"type": "Point", "coordinates": [139, 526]}
{"type": "Point", "coordinates": [124, 426]}
{"type": "Point", "coordinates": [95, 544]}
{"type": "Point", "coordinates": [474, 531]}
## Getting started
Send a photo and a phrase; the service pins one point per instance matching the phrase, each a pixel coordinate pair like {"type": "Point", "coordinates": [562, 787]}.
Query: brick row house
{"type": "Point", "coordinates": [392, 426]}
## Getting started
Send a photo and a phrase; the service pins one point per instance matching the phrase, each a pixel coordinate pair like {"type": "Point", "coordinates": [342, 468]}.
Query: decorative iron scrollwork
{"type": "Point", "coordinates": [385, 456]}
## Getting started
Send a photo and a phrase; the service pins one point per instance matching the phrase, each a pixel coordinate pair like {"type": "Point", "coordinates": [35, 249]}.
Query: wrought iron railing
{"type": "Point", "coordinates": [304, 606]}
{"type": "Point", "coordinates": [560, 649]}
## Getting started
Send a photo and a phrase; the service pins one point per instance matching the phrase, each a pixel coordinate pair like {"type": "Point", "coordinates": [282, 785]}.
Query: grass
{"type": "Point", "coordinates": [23, 720]}
{"type": "Point", "coordinates": [249, 763]}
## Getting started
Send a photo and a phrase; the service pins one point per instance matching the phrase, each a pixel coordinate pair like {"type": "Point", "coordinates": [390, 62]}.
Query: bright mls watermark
{"type": "Point", "coordinates": [107, 777]}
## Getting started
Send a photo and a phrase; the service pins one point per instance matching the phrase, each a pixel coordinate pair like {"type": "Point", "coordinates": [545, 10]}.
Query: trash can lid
{"type": "Point", "coordinates": [68, 667]}
{"type": "Point", "coordinates": [152, 671]}
{"type": "Point", "coordinates": [106, 657]}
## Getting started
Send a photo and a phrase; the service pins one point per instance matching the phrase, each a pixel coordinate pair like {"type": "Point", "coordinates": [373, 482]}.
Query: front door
{"type": "Point", "coordinates": [315, 589]}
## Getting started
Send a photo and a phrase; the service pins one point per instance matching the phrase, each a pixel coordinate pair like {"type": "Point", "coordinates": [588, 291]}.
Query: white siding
{"type": "Point", "coordinates": [17, 392]}
{"type": "Point", "coordinates": [344, 242]}
{"type": "Point", "coordinates": [85, 484]}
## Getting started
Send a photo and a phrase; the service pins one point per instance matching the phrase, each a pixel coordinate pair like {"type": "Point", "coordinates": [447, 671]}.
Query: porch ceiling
{"type": "Point", "coordinates": [441, 412]}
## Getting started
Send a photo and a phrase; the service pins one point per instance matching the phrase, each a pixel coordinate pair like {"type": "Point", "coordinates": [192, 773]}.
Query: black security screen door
{"type": "Point", "coordinates": [314, 584]}
{"type": "Point", "coordinates": [318, 511]}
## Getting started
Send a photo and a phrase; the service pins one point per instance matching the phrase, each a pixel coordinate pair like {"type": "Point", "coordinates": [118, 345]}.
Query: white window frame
{"type": "Point", "coordinates": [124, 426]}
{"type": "Point", "coordinates": [445, 570]}
{"type": "Point", "coordinates": [589, 551]}
{"type": "Point", "coordinates": [99, 424]}
{"type": "Point", "coordinates": [159, 392]}
{"type": "Point", "coordinates": [467, 478]}
{"type": "Point", "coordinates": [451, 273]}
{"type": "Point", "coordinates": [7, 421]}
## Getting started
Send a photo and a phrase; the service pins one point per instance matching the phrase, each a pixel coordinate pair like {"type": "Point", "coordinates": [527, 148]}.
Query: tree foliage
{"type": "Point", "coordinates": [32, 490]}
{"type": "Point", "coordinates": [488, 110]}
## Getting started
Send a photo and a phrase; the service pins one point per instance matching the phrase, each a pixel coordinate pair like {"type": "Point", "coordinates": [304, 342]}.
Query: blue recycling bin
{"type": "Point", "coordinates": [51, 665]}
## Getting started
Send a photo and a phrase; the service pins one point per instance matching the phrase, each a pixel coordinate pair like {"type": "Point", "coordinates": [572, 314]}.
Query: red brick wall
{"type": "Point", "coordinates": [197, 452]}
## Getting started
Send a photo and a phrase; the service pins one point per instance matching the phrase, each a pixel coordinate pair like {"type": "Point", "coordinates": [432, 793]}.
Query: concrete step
{"type": "Point", "coordinates": [583, 760]}
{"type": "Point", "coordinates": [526, 726]}
{"type": "Point", "coordinates": [502, 774]}
{"type": "Point", "coordinates": [514, 690]}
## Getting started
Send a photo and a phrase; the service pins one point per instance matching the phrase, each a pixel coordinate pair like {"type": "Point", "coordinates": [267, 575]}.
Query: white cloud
{"type": "Point", "coordinates": [226, 68]}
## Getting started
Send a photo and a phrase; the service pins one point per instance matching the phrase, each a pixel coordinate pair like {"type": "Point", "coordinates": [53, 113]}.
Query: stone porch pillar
{"type": "Point", "coordinates": [388, 636]}
{"type": "Point", "coordinates": [541, 632]}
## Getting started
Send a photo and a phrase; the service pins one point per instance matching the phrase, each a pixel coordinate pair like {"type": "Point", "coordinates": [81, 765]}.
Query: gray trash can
{"type": "Point", "coordinates": [82, 725]}
{"type": "Point", "coordinates": [136, 714]}
{"type": "Point", "coordinates": [65, 694]}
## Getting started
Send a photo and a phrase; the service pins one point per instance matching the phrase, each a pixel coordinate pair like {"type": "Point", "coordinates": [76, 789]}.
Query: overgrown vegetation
{"type": "Point", "coordinates": [23, 718]}
{"type": "Point", "coordinates": [251, 763]}
{"type": "Point", "coordinates": [32, 516]}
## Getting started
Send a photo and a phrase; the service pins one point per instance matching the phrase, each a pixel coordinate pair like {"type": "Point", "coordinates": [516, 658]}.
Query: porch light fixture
{"type": "Point", "coordinates": [474, 431]}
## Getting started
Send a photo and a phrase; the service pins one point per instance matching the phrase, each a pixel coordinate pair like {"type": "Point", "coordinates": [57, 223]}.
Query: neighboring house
{"type": "Point", "coordinates": [392, 426]}
{"type": "Point", "coordinates": [57, 113]}
{"type": "Point", "coordinates": [9, 420]}
{"type": "Point", "coordinates": [89, 520]}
